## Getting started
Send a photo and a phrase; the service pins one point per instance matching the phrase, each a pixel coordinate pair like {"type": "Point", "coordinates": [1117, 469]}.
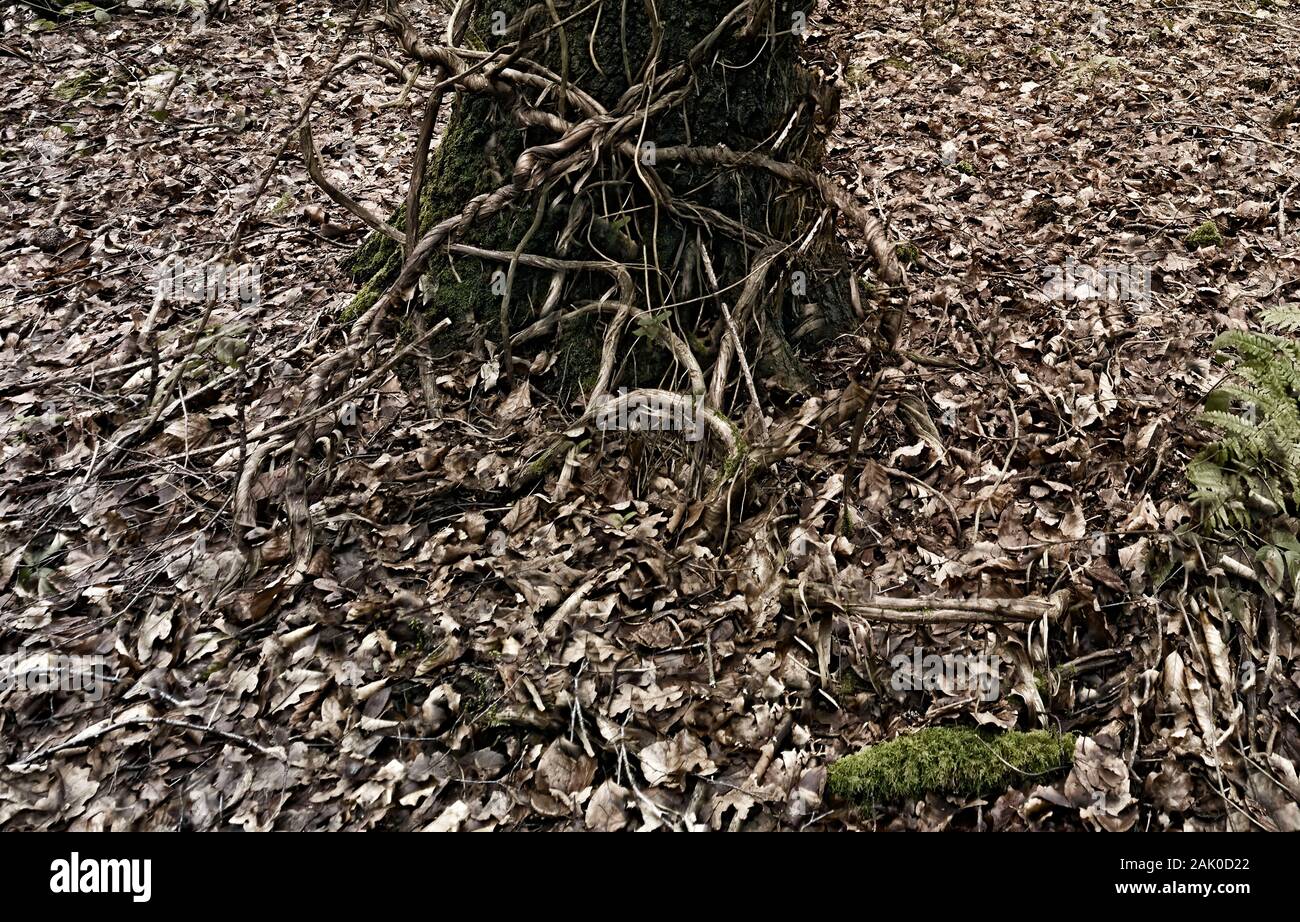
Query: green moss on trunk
{"type": "Point", "coordinates": [750, 95]}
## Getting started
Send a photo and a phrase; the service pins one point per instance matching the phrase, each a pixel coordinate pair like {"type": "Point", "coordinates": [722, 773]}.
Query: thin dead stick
{"type": "Point", "coordinates": [536, 261]}
{"type": "Point", "coordinates": [94, 733]}
{"type": "Point", "coordinates": [1088, 662]}
{"type": "Point", "coordinates": [1281, 211]}
{"type": "Point", "coordinates": [507, 355]}
{"type": "Point", "coordinates": [373, 221]}
{"type": "Point", "coordinates": [731, 329]}
{"type": "Point", "coordinates": [79, 374]}
{"type": "Point", "coordinates": [1235, 132]}
{"type": "Point", "coordinates": [931, 616]}
{"type": "Point", "coordinates": [298, 420]}
{"type": "Point", "coordinates": [241, 225]}
{"type": "Point", "coordinates": [930, 610]}
{"type": "Point", "coordinates": [428, 385]}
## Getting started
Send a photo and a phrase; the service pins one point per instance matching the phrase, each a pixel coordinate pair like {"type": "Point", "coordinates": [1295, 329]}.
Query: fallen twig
{"type": "Point", "coordinates": [93, 733]}
{"type": "Point", "coordinates": [929, 610]}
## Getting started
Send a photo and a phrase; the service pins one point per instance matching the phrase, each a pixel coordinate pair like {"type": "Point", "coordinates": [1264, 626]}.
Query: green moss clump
{"type": "Point", "coordinates": [377, 254]}
{"type": "Point", "coordinates": [364, 299]}
{"type": "Point", "coordinates": [966, 167]}
{"type": "Point", "coordinates": [1207, 235]}
{"type": "Point", "coordinates": [551, 457]}
{"type": "Point", "coordinates": [948, 760]}
{"type": "Point", "coordinates": [738, 457]}
{"type": "Point", "coordinates": [908, 253]}
{"type": "Point", "coordinates": [75, 87]}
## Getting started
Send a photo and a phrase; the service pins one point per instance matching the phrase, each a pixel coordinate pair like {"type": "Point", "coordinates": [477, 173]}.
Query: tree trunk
{"type": "Point", "coordinates": [708, 137]}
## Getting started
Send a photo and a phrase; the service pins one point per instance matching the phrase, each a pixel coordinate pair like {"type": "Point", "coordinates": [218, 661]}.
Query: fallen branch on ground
{"type": "Point", "coordinates": [96, 732]}
{"type": "Point", "coordinates": [928, 610]}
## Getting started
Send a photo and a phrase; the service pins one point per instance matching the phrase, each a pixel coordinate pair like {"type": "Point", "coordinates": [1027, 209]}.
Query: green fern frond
{"type": "Point", "coordinates": [1254, 465]}
{"type": "Point", "coordinates": [1230, 424]}
{"type": "Point", "coordinates": [1282, 318]}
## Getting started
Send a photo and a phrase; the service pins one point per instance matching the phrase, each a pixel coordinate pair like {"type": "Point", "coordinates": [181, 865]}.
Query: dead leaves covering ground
{"type": "Point", "coordinates": [465, 648]}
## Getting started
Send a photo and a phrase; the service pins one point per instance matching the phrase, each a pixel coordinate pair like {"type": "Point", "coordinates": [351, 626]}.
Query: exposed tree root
{"type": "Point", "coordinates": [594, 143]}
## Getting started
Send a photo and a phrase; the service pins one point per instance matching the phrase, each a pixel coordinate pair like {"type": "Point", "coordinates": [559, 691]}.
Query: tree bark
{"type": "Point", "coordinates": [702, 224]}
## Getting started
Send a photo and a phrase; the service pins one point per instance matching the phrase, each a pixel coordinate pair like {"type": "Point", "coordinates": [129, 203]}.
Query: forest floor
{"type": "Point", "coordinates": [458, 653]}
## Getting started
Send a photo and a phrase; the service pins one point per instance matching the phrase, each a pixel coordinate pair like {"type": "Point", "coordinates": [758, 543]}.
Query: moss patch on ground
{"type": "Point", "coordinates": [948, 760]}
{"type": "Point", "coordinates": [1207, 235]}
{"type": "Point", "coordinates": [77, 86]}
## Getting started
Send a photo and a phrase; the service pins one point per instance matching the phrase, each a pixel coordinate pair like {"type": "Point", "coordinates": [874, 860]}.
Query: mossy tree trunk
{"type": "Point", "coordinates": [653, 216]}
